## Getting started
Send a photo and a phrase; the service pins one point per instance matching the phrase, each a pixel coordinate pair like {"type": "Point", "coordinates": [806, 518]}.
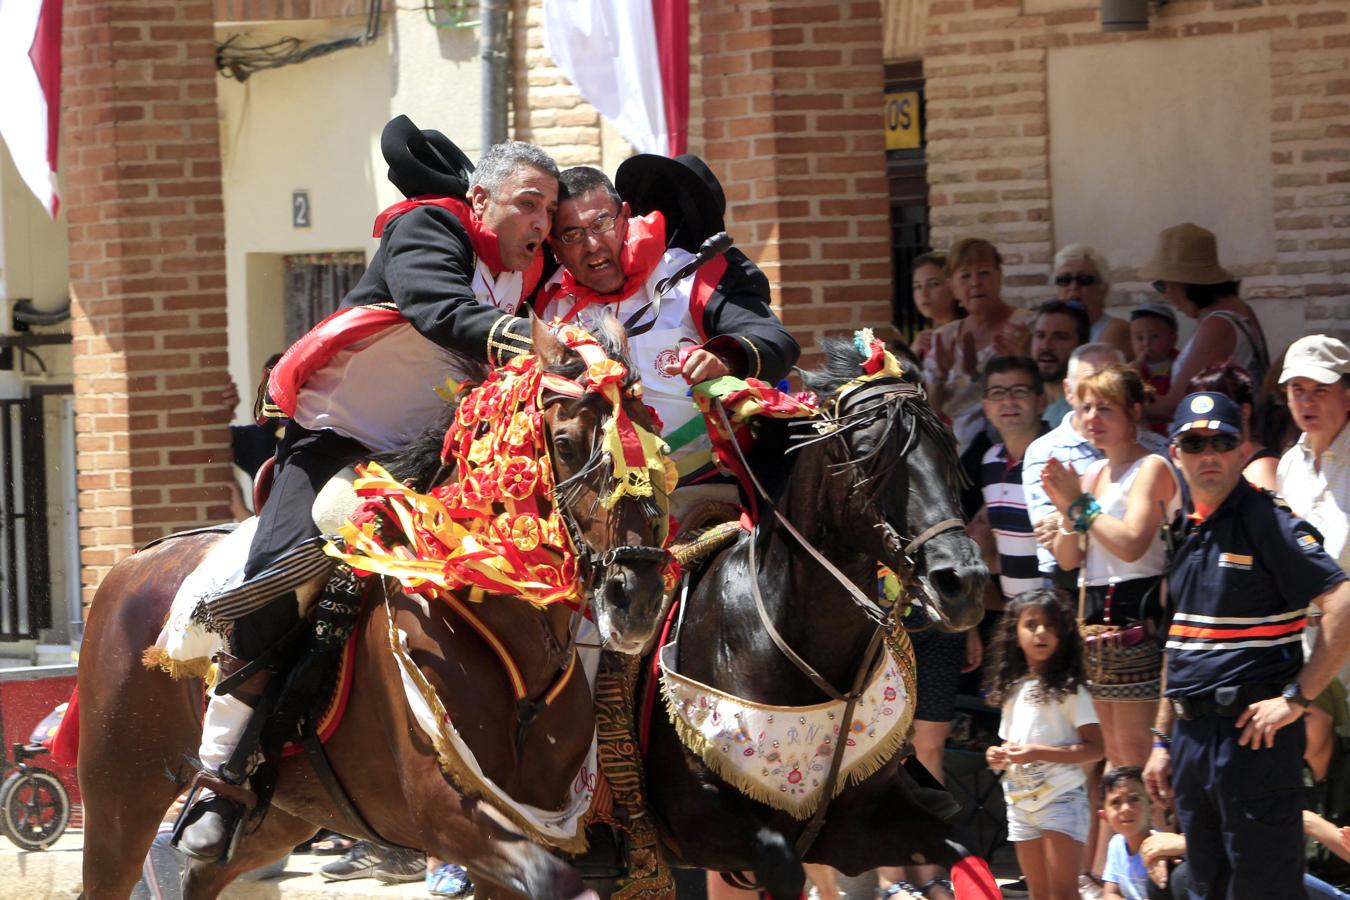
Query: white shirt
{"type": "Point", "coordinates": [1055, 723]}
{"type": "Point", "coordinates": [1101, 566]}
{"type": "Point", "coordinates": [1321, 497]}
{"type": "Point", "coordinates": [1076, 452]}
{"type": "Point", "coordinates": [675, 328]}
{"type": "Point", "coordinates": [383, 390]}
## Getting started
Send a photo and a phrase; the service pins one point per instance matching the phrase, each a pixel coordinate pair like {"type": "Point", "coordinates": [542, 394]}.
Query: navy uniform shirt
{"type": "Point", "coordinates": [1239, 590]}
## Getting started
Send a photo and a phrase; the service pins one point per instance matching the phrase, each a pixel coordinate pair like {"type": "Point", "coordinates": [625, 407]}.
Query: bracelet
{"type": "Point", "coordinates": [1160, 745]}
{"type": "Point", "coordinates": [1163, 739]}
{"type": "Point", "coordinates": [1088, 510]}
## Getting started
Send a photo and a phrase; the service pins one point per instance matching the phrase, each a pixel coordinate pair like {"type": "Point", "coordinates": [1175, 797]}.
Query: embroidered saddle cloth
{"type": "Point", "coordinates": [780, 755]}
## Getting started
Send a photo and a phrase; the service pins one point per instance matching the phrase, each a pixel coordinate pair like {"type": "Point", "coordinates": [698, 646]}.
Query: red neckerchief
{"type": "Point", "coordinates": [482, 238]}
{"type": "Point", "coordinates": [643, 248]}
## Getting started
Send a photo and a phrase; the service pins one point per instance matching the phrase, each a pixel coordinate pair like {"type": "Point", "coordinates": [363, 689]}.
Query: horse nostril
{"type": "Point", "coordinates": [616, 590]}
{"type": "Point", "coordinates": [946, 582]}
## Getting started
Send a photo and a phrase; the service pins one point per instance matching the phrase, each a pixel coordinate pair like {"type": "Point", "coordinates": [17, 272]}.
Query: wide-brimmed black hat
{"type": "Point", "coordinates": [422, 161]}
{"type": "Point", "coordinates": [684, 189]}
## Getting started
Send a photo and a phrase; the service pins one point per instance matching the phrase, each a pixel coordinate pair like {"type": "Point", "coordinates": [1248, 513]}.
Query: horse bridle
{"type": "Point", "coordinates": [880, 618]}
{"type": "Point", "coordinates": [869, 607]}
{"type": "Point", "coordinates": [597, 562]}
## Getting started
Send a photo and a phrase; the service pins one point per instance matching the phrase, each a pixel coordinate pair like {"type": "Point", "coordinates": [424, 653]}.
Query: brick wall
{"type": "Point", "coordinates": [546, 108]}
{"type": "Point", "coordinates": [985, 70]}
{"type": "Point", "coordinates": [791, 101]}
{"type": "Point", "coordinates": [141, 173]}
{"type": "Point", "coordinates": [785, 101]}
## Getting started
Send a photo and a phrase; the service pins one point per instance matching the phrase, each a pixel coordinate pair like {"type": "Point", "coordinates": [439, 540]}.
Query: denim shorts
{"type": "Point", "coordinates": [1068, 814]}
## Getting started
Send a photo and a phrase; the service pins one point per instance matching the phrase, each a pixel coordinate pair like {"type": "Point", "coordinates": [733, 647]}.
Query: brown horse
{"type": "Point", "coordinates": [138, 726]}
{"type": "Point", "coordinates": [875, 480]}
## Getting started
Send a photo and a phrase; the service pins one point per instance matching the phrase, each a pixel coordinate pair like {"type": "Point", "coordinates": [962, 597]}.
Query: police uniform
{"type": "Point", "coordinates": [1240, 584]}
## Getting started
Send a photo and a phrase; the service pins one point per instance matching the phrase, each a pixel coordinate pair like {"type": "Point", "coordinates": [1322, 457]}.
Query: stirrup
{"type": "Point", "coordinates": [244, 798]}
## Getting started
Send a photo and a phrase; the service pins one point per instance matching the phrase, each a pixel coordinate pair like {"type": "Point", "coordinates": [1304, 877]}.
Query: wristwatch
{"type": "Point", "coordinates": [1294, 694]}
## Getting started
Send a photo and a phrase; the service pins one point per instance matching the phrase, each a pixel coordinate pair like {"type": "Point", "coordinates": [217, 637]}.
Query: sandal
{"type": "Point", "coordinates": [330, 843]}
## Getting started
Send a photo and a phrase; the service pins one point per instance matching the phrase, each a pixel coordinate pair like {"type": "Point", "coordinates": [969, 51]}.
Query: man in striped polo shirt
{"type": "Point", "coordinates": [1240, 585]}
{"type": "Point", "coordinates": [1014, 400]}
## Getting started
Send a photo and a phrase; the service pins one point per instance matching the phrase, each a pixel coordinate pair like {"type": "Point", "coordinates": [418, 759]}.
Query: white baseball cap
{"type": "Point", "coordinates": [1317, 356]}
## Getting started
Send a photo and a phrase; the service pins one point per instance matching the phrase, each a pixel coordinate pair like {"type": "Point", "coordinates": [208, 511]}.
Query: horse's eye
{"type": "Point", "coordinates": [567, 449]}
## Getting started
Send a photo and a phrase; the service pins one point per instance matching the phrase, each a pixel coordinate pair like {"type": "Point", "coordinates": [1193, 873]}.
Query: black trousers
{"type": "Point", "coordinates": [306, 461]}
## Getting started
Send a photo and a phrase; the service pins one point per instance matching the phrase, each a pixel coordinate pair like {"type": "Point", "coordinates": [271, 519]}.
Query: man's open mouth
{"type": "Point", "coordinates": [531, 247]}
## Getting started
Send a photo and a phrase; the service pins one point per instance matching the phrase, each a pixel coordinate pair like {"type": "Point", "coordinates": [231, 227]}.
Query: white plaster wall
{"type": "Point", "coordinates": [34, 263]}
{"type": "Point", "coordinates": [316, 127]}
{"type": "Point", "coordinates": [1148, 134]}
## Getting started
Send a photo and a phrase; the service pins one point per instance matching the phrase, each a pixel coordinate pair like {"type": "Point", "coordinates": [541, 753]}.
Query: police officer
{"type": "Point", "coordinates": [1240, 584]}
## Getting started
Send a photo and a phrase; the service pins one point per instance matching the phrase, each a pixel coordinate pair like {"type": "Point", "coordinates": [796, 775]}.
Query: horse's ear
{"type": "Point", "coordinates": [547, 348]}
{"type": "Point", "coordinates": [613, 329]}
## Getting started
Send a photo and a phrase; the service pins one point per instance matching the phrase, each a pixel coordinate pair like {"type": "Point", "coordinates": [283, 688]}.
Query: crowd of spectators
{"type": "Point", "coordinates": [1095, 442]}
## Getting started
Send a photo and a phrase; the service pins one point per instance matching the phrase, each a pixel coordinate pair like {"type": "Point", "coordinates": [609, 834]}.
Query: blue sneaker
{"type": "Point", "coordinates": [449, 880]}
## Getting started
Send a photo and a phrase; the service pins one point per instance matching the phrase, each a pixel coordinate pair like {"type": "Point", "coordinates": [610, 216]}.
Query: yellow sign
{"type": "Point", "coordinates": [903, 127]}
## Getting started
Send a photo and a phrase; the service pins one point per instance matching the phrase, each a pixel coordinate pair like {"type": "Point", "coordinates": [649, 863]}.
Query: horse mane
{"type": "Point", "coordinates": [842, 364]}
{"type": "Point", "coordinates": [418, 464]}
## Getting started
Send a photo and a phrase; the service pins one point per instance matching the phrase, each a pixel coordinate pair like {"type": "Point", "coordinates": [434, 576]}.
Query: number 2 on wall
{"type": "Point", "coordinates": [300, 209]}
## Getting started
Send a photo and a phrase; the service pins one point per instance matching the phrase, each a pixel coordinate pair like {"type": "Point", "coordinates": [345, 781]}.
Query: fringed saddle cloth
{"type": "Point", "coordinates": [780, 755]}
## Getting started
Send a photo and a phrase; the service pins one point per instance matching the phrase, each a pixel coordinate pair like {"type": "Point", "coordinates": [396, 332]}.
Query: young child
{"type": "Point", "coordinates": [1126, 811]}
{"type": "Point", "coordinates": [1153, 335]}
{"type": "Point", "coordinates": [1049, 728]}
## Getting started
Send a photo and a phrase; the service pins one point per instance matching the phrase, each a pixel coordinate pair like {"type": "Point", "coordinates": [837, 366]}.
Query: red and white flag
{"type": "Point", "coordinates": [630, 60]}
{"type": "Point", "coordinates": [30, 72]}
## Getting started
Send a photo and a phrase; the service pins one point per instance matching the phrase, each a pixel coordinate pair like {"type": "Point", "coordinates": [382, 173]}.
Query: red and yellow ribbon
{"type": "Point", "coordinates": [494, 527]}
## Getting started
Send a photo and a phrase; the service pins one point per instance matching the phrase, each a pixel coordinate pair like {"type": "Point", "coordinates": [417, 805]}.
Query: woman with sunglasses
{"type": "Point", "coordinates": [1114, 512]}
{"type": "Point", "coordinates": [1080, 276]}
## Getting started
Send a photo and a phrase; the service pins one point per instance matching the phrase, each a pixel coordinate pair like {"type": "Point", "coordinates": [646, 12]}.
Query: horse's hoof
{"type": "Point", "coordinates": [210, 825]}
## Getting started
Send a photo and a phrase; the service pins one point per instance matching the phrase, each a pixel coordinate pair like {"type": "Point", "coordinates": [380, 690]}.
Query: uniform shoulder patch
{"type": "Point", "coordinates": [1308, 543]}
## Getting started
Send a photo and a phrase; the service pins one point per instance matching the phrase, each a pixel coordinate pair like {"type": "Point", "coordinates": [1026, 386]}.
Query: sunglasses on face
{"type": "Point", "coordinates": [1016, 392]}
{"type": "Point", "coordinates": [1198, 443]}
{"type": "Point", "coordinates": [1080, 279]}
{"type": "Point", "coordinates": [603, 223]}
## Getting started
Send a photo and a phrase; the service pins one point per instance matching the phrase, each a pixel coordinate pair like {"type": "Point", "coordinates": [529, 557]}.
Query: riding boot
{"type": "Point", "coordinates": [212, 820]}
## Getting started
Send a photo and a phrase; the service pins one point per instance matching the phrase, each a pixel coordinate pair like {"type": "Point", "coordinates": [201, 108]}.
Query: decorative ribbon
{"type": "Point", "coordinates": [749, 398]}
{"type": "Point", "coordinates": [494, 528]}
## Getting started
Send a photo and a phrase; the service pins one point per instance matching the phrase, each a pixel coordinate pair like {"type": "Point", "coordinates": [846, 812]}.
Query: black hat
{"type": "Point", "coordinates": [684, 189]}
{"type": "Point", "coordinates": [424, 161]}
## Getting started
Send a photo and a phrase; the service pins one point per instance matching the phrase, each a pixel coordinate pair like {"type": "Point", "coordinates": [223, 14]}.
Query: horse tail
{"type": "Point", "coordinates": [971, 878]}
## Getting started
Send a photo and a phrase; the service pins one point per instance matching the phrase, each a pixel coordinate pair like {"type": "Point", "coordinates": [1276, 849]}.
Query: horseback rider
{"type": "Point", "coordinates": [454, 264]}
{"type": "Point", "coordinates": [616, 246]}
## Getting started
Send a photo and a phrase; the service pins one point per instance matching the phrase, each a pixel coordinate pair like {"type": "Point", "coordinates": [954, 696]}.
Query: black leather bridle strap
{"type": "Point", "coordinates": [865, 603]}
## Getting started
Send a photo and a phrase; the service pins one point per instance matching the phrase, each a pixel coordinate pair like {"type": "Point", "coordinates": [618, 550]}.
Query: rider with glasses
{"type": "Point", "coordinates": [716, 322]}
{"type": "Point", "coordinates": [1242, 574]}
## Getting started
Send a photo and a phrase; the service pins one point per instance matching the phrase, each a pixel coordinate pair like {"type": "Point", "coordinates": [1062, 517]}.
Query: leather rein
{"type": "Point", "coordinates": [882, 620]}
{"type": "Point", "coordinates": [595, 564]}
